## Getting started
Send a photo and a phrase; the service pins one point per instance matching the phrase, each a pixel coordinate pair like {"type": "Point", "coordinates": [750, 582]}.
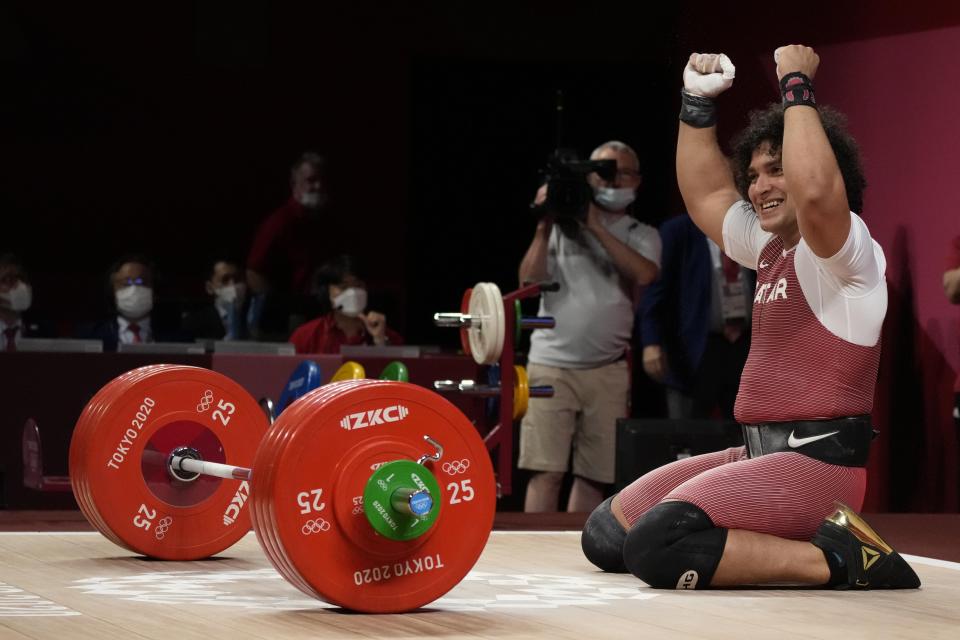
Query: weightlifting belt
{"type": "Point", "coordinates": [841, 441]}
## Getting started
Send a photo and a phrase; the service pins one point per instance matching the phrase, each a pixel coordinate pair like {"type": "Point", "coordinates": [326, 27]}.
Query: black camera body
{"type": "Point", "coordinates": [568, 193]}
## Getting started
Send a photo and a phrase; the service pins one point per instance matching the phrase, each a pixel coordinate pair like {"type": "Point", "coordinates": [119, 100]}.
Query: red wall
{"type": "Point", "coordinates": [903, 102]}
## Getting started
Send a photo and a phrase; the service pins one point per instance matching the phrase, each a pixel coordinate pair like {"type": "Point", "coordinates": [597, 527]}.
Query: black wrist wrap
{"type": "Point", "coordinates": [797, 89]}
{"type": "Point", "coordinates": [697, 111]}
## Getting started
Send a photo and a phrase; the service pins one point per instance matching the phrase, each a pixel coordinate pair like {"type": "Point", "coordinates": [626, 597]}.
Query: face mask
{"type": "Point", "coordinates": [135, 301]}
{"type": "Point", "coordinates": [312, 199]}
{"type": "Point", "coordinates": [614, 199]}
{"type": "Point", "coordinates": [351, 302]}
{"type": "Point", "coordinates": [231, 294]}
{"type": "Point", "coordinates": [19, 298]}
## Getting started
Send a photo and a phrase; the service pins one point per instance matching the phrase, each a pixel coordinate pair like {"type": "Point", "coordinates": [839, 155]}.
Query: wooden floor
{"type": "Point", "coordinates": [77, 585]}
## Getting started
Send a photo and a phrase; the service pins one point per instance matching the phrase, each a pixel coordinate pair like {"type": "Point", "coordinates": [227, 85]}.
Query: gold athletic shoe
{"type": "Point", "coordinates": [871, 563]}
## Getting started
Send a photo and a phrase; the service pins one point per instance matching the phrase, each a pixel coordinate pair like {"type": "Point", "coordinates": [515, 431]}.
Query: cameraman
{"type": "Point", "coordinates": [598, 259]}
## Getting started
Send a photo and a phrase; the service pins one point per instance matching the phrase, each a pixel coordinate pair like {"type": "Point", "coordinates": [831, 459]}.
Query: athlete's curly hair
{"type": "Point", "coordinates": [766, 125]}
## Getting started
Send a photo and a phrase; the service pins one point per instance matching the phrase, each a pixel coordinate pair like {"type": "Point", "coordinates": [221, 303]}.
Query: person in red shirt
{"type": "Point", "coordinates": [285, 249]}
{"type": "Point", "coordinates": [767, 512]}
{"type": "Point", "coordinates": [346, 320]}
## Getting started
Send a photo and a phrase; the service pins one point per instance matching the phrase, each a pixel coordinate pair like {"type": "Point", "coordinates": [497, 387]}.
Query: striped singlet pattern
{"type": "Point", "coordinates": [797, 370]}
{"type": "Point", "coordinates": [782, 494]}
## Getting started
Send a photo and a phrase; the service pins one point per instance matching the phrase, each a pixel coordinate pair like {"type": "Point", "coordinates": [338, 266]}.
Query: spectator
{"type": "Point", "coordinates": [223, 316]}
{"type": "Point", "coordinates": [344, 320]}
{"type": "Point", "coordinates": [130, 283]}
{"type": "Point", "coordinates": [695, 323]}
{"type": "Point", "coordinates": [598, 268]}
{"type": "Point", "coordinates": [284, 252]}
{"type": "Point", "coordinates": [16, 296]}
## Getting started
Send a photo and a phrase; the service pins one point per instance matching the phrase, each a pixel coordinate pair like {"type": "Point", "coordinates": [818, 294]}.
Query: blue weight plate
{"type": "Point", "coordinates": [304, 379]}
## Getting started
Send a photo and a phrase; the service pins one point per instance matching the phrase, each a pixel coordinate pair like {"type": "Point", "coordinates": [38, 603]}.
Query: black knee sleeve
{"type": "Point", "coordinates": [674, 545]}
{"type": "Point", "coordinates": [602, 539]}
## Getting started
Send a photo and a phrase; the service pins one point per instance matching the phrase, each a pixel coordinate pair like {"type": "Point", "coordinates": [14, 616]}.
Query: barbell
{"type": "Point", "coordinates": [373, 495]}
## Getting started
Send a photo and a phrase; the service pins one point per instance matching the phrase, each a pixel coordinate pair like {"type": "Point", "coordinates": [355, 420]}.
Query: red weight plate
{"type": "Point", "coordinates": [124, 460]}
{"type": "Point", "coordinates": [464, 332]}
{"type": "Point", "coordinates": [322, 469]}
{"type": "Point", "coordinates": [81, 438]}
{"type": "Point", "coordinates": [75, 467]}
{"type": "Point", "coordinates": [263, 527]}
{"type": "Point", "coordinates": [78, 440]}
{"type": "Point", "coordinates": [89, 416]}
{"type": "Point", "coordinates": [78, 473]}
{"type": "Point", "coordinates": [466, 510]}
{"type": "Point", "coordinates": [269, 453]}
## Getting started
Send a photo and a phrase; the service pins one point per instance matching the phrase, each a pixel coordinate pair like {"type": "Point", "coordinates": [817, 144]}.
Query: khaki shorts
{"type": "Point", "coordinates": [582, 414]}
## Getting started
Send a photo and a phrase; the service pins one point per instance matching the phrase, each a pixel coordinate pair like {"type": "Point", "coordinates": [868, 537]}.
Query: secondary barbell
{"type": "Point", "coordinates": [522, 391]}
{"type": "Point", "coordinates": [482, 322]}
{"type": "Point", "coordinates": [377, 496]}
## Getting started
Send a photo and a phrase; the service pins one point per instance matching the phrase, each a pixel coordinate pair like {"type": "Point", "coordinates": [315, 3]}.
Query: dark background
{"type": "Point", "coordinates": [170, 130]}
{"type": "Point", "coordinates": [171, 133]}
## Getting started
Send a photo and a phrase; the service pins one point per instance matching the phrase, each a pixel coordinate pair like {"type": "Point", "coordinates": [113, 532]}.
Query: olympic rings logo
{"type": "Point", "coordinates": [205, 401]}
{"type": "Point", "coordinates": [162, 527]}
{"type": "Point", "coordinates": [454, 467]}
{"type": "Point", "coordinates": [315, 526]}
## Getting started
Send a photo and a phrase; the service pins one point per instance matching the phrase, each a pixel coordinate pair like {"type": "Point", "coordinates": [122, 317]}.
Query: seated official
{"type": "Point", "coordinates": [223, 317]}
{"type": "Point", "coordinates": [16, 297]}
{"type": "Point", "coordinates": [345, 321]}
{"type": "Point", "coordinates": [134, 319]}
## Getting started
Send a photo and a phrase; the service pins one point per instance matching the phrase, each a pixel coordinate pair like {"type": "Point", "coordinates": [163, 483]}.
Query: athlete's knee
{"type": "Point", "coordinates": [674, 545]}
{"type": "Point", "coordinates": [602, 539]}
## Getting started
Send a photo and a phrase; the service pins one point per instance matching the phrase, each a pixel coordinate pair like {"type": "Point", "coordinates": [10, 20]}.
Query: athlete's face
{"type": "Point", "coordinates": [768, 192]}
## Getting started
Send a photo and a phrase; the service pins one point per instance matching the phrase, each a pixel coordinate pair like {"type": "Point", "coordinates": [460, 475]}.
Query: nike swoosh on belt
{"type": "Point", "coordinates": [793, 442]}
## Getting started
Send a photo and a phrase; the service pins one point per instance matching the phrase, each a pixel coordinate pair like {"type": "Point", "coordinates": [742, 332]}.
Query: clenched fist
{"type": "Point", "coordinates": [796, 57]}
{"type": "Point", "coordinates": [376, 325]}
{"type": "Point", "coordinates": [708, 74]}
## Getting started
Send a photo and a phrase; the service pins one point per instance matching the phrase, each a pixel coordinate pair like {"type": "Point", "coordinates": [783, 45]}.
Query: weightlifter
{"type": "Point", "coordinates": [583, 358]}
{"type": "Point", "coordinates": [766, 512]}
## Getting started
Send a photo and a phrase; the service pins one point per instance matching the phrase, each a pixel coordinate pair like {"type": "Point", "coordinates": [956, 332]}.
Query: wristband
{"type": "Point", "coordinates": [697, 111]}
{"type": "Point", "coordinates": [797, 89]}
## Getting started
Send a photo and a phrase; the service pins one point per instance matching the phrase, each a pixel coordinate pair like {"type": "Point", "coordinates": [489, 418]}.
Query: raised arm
{"type": "Point", "coordinates": [533, 266]}
{"type": "Point", "coordinates": [810, 167]}
{"type": "Point", "coordinates": [703, 173]}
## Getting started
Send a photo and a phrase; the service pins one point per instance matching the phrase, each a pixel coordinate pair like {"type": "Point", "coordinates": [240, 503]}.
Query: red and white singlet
{"type": "Point", "coordinates": [816, 324]}
{"type": "Point", "coordinates": [814, 354]}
